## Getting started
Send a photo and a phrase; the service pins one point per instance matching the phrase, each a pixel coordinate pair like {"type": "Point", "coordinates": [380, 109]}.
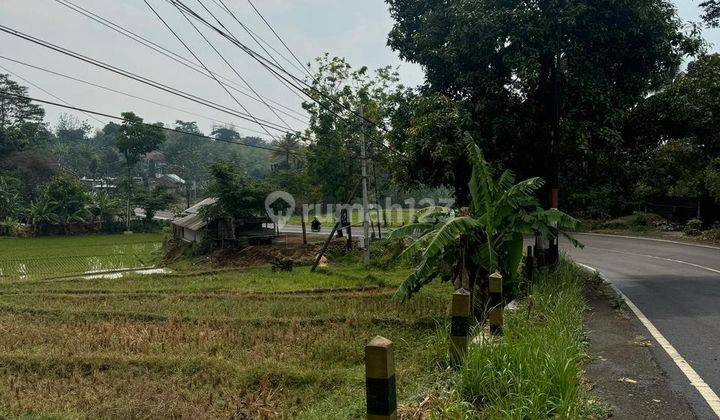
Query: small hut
{"type": "Point", "coordinates": [191, 226]}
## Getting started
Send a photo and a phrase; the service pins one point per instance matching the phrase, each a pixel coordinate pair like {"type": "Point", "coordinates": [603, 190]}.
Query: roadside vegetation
{"type": "Point", "coordinates": [536, 369]}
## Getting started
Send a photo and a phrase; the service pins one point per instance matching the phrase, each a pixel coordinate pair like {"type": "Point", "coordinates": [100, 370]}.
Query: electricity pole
{"type": "Point", "coordinates": [366, 213]}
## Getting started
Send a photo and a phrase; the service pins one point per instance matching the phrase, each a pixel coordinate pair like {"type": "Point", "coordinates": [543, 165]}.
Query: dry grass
{"type": "Point", "coordinates": [235, 344]}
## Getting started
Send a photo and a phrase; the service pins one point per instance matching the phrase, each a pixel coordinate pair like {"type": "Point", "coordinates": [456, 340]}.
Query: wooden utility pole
{"type": "Point", "coordinates": [366, 213]}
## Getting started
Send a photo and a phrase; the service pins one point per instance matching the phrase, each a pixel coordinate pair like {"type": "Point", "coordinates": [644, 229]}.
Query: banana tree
{"type": "Point", "coordinates": [466, 246]}
{"type": "Point", "coordinates": [40, 213]}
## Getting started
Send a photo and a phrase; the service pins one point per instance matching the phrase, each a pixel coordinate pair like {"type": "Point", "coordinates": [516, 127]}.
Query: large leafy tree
{"type": "Point", "coordinates": [712, 12]}
{"type": "Point", "coordinates": [515, 66]}
{"type": "Point", "coordinates": [20, 119]}
{"type": "Point", "coordinates": [339, 91]}
{"type": "Point", "coordinates": [485, 237]}
{"type": "Point", "coordinates": [680, 125]}
{"type": "Point", "coordinates": [155, 200]}
{"type": "Point", "coordinates": [238, 195]}
{"type": "Point", "coordinates": [70, 198]}
{"type": "Point", "coordinates": [135, 139]}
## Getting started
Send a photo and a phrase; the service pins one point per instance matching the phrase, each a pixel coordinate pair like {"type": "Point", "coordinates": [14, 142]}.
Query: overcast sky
{"type": "Point", "coordinates": [353, 29]}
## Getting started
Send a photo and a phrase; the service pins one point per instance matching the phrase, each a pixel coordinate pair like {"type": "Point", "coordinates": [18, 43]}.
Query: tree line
{"type": "Point", "coordinates": [594, 97]}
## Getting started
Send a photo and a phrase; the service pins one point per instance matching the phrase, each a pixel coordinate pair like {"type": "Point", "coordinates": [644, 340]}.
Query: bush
{"type": "Point", "coordinates": [638, 221]}
{"type": "Point", "coordinates": [693, 227]}
{"type": "Point", "coordinates": [384, 254]}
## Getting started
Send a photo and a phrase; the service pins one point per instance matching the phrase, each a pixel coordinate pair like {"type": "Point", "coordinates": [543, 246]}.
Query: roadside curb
{"type": "Point", "coordinates": [690, 374]}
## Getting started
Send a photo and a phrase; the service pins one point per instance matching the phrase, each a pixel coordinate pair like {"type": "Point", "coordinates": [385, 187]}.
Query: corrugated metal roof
{"type": "Point", "coordinates": [196, 208]}
{"type": "Point", "coordinates": [192, 222]}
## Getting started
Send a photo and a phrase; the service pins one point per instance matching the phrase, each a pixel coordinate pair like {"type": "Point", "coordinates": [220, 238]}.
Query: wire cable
{"type": "Point", "coordinates": [278, 37]}
{"type": "Point", "coordinates": [180, 59]}
{"type": "Point", "coordinates": [291, 89]}
{"type": "Point", "coordinates": [234, 70]}
{"type": "Point", "coordinates": [115, 117]}
{"type": "Point", "coordinates": [141, 79]}
{"type": "Point", "coordinates": [129, 95]}
{"type": "Point", "coordinates": [45, 91]}
{"type": "Point", "coordinates": [205, 67]}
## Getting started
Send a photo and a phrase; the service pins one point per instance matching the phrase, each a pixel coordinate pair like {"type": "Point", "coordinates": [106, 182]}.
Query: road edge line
{"type": "Point", "coordinates": [610, 235]}
{"type": "Point", "coordinates": [696, 381]}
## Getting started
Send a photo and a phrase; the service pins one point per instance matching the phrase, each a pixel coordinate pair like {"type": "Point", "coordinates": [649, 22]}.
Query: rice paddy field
{"type": "Point", "coordinates": [42, 258]}
{"type": "Point", "coordinates": [232, 344]}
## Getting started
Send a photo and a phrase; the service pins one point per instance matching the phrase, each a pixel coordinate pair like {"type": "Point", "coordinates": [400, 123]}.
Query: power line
{"type": "Point", "coordinates": [293, 91]}
{"type": "Point", "coordinates": [278, 37]}
{"type": "Point", "coordinates": [45, 91]}
{"type": "Point", "coordinates": [254, 34]}
{"type": "Point", "coordinates": [268, 65]}
{"type": "Point", "coordinates": [141, 79]}
{"type": "Point", "coordinates": [204, 66]}
{"type": "Point", "coordinates": [126, 94]}
{"type": "Point", "coordinates": [234, 70]}
{"type": "Point", "coordinates": [182, 60]}
{"type": "Point", "coordinates": [115, 117]}
{"type": "Point", "coordinates": [253, 54]}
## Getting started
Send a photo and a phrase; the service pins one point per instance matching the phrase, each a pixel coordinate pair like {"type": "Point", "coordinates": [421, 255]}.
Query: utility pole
{"type": "Point", "coordinates": [366, 213]}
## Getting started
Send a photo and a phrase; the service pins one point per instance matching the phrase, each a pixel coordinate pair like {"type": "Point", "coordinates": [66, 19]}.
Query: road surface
{"type": "Point", "coordinates": [677, 288]}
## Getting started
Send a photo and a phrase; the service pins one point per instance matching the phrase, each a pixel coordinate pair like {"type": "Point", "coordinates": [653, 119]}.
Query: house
{"type": "Point", "coordinates": [191, 226]}
{"type": "Point", "coordinates": [170, 181]}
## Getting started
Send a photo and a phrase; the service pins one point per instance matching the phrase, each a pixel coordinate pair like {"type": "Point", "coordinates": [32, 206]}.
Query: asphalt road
{"type": "Point", "coordinates": [677, 287]}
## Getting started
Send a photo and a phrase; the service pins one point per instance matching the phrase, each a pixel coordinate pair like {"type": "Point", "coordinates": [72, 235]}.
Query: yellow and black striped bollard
{"type": "Point", "coordinates": [496, 303]}
{"type": "Point", "coordinates": [380, 388]}
{"type": "Point", "coordinates": [459, 326]}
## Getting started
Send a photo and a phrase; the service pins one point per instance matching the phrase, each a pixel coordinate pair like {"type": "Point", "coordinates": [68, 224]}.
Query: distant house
{"type": "Point", "coordinates": [170, 181]}
{"type": "Point", "coordinates": [192, 227]}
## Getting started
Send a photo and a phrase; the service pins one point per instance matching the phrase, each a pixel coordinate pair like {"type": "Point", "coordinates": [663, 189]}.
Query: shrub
{"type": "Point", "coordinates": [385, 253]}
{"type": "Point", "coordinates": [693, 227]}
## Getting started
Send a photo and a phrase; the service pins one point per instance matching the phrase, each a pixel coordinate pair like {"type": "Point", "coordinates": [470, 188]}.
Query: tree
{"type": "Point", "coordinates": [486, 237]}
{"type": "Point", "coordinates": [428, 130]}
{"type": "Point", "coordinates": [287, 147]}
{"type": "Point", "coordinates": [238, 196]}
{"type": "Point", "coordinates": [70, 199]}
{"type": "Point", "coordinates": [679, 126]}
{"type": "Point", "coordinates": [134, 139]}
{"type": "Point", "coordinates": [104, 208]}
{"type": "Point", "coordinates": [10, 200]}
{"type": "Point", "coordinates": [541, 79]}
{"type": "Point", "coordinates": [20, 119]}
{"type": "Point", "coordinates": [338, 93]}
{"type": "Point", "coordinates": [40, 213]}
{"type": "Point", "coordinates": [155, 200]}
{"type": "Point", "coordinates": [712, 12]}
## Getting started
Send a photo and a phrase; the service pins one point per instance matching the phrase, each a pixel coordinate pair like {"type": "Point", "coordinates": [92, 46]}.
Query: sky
{"type": "Point", "coordinates": [354, 29]}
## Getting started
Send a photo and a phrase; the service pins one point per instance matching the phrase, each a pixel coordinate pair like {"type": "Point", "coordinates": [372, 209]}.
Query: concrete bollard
{"type": "Point", "coordinates": [496, 305]}
{"type": "Point", "coordinates": [380, 389]}
{"type": "Point", "coordinates": [530, 265]}
{"type": "Point", "coordinates": [459, 326]}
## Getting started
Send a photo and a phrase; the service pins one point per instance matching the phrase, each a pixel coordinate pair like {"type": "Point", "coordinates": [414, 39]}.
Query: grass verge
{"type": "Point", "coordinates": [536, 369]}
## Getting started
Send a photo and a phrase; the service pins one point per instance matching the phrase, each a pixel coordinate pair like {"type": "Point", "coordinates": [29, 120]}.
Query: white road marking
{"type": "Point", "coordinates": [696, 381]}
{"type": "Point", "coordinates": [668, 241]}
{"type": "Point", "coordinates": [702, 267]}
